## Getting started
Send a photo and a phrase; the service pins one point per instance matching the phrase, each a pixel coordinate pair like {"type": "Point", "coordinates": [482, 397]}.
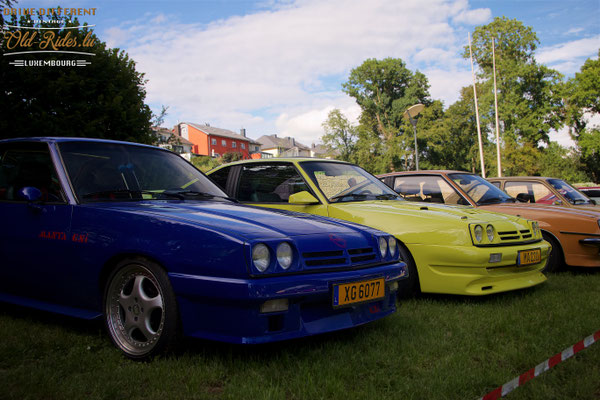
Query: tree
{"type": "Point", "coordinates": [582, 94]}
{"type": "Point", "coordinates": [104, 99]}
{"type": "Point", "coordinates": [384, 89]}
{"type": "Point", "coordinates": [529, 100]}
{"type": "Point", "coordinates": [339, 135]}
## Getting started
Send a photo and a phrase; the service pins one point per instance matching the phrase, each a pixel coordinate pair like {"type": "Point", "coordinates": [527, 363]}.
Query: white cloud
{"type": "Point", "coordinates": [566, 57]}
{"type": "Point", "coordinates": [446, 84]}
{"type": "Point", "coordinates": [279, 69]}
{"type": "Point", "coordinates": [287, 60]}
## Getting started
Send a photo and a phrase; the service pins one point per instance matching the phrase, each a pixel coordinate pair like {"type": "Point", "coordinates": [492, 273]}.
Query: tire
{"type": "Point", "coordinates": [140, 309]}
{"type": "Point", "coordinates": [408, 287]}
{"type": "Point", "coordinates": [555, 260]}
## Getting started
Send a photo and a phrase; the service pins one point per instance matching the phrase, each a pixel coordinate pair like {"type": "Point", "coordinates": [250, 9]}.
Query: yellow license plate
{"type": "Point", "coordinates": [358, 292]}
{"type": "Point", "coordinates": [527, 257]}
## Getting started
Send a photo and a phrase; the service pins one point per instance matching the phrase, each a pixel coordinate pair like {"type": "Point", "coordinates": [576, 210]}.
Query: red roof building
{"type": "Point", "coordinates": [210, 141]}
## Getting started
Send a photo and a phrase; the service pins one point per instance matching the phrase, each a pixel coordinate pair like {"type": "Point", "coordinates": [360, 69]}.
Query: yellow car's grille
{"type": "Point", "coordinates": [515, 236]}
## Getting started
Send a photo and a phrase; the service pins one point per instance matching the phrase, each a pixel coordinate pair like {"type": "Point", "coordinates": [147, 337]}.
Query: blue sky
{"type": "Point", "coordinates": [276, 66]}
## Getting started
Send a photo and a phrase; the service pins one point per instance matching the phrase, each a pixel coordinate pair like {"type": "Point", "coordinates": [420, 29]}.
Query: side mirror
{"type": "Point", "coordinates": [30, 194]}
{"type": "Point", "coordinates": [303, 198]}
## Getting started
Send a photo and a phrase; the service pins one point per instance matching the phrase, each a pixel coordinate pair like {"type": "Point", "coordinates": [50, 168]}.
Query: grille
{"type": "Point", "coordinates": [339, 257]}
{"type": "Point", "coordinates": [512, 236]}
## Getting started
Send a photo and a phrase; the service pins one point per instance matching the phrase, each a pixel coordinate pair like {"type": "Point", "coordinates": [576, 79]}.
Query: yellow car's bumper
{"type": "Point", "coordinates": [468, 270]}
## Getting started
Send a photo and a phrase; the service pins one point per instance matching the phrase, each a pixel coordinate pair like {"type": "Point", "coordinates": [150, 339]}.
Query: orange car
{"type": "Point", "coordinates": [542, 190]}
{"type": "Point", "coordinates": [574, 233]}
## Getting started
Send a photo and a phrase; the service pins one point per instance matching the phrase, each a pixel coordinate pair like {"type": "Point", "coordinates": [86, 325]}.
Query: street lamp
{"type": "Point", "coordinates": [412, 112]}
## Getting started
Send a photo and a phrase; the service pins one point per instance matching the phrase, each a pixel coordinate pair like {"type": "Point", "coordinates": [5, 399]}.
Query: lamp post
{"type": "Point", "coordinates": [412, 112]}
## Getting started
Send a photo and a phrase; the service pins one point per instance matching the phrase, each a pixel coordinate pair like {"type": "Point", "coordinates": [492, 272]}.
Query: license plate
{"type": "Point", "coordinates": [358, 292]}
{"type": "Point", "coordinates": [527, 257]}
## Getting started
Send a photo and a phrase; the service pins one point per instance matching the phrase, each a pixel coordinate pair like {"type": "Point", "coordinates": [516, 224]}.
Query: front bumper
{"type": "Point", "coordinates": [228, 310]}
{"type": "Point", "coordinates": [467, 270]}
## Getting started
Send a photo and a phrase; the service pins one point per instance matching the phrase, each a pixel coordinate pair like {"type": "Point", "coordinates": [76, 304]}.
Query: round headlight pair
{"type": "Point", "coordinates": [384, 244]}
{"type": "Point", "coordinates": [489, 230]}
{"type": "Point", "coordinates": [261, 257]}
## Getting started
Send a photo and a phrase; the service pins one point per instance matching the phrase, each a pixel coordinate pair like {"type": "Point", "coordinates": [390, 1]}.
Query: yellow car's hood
{"type": "Point", "coordinates": [423, 222]}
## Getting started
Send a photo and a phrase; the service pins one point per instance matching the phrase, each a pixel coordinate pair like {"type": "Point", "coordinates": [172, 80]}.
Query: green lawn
{"type": "Point", "coordinates": [434, 347]}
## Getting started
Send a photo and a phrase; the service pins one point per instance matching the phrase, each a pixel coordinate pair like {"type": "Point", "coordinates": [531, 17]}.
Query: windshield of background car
{"type": "Point", "coordinates": [479, 190]}
{"type": "Point", "coordinates": [346, 182]}
{"type": "Point", "coordinates": [572, 195]}
{"type": "Point", "coordinates": [113, 171]}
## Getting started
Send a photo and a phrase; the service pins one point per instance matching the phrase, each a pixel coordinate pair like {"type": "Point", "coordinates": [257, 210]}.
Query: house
{"type": "Point", "coordinates": [168, 140]}
{"type": "Point", "coordinates": [283, 147]}
{"type": "Point", "coordinates": [210, 141]}
{"type": "Point", "coordinates": [320, 151]}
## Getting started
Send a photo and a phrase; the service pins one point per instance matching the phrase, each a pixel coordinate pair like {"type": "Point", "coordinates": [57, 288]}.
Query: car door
{"type": "Point", "coordinates": [270, 184]}
{"type": "Point", "coordinates": [35, 238]}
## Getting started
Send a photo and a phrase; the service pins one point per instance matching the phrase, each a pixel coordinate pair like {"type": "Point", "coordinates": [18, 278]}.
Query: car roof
{"type": "Point", "coordinates": [520, 178]}
{"type": "Point", "coordinates": [285, 159]}
{"type": "Point", "coordinates": [425, 172]}
{"type": "Point", "coordinates": [52, 139]}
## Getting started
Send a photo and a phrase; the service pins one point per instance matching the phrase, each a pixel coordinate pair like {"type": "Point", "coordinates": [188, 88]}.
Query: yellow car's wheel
{"type": "Point", "coordinates": [410, 286]}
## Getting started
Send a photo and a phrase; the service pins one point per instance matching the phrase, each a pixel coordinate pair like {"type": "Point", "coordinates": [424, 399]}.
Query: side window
{"type": "Point", "coordinates": [531, 192]}
{"type": "Point", "coordinates": [497, 184]}
{"type": "Point", "coordinates": [430, 189]}
{"type": "Point", "coordinates": [220, 178]}
{"type": "Point", "coordinates": [28, 164]}
{"type": "Point", "coordinates": [269, 183]}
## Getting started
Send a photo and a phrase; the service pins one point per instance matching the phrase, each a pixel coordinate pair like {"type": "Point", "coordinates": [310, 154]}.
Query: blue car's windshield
{"type": "Point", "coordinates": [341, 182]}
{"type": "Point", "coordinates": [114, 171]}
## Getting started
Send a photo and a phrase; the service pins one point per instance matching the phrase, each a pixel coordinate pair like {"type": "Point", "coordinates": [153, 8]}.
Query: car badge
{"type": "Point", "coordinates": [338, 241]}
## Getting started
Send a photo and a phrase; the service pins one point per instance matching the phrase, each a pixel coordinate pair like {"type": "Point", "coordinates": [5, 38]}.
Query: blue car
{"type": "Point", "coordinates": [136, 235]}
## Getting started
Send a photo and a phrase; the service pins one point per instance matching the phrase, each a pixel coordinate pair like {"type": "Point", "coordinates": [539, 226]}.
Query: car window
{"type": "Point", "coordinates": [569, 192]}
{"type": "Point", "coordinates": [269, 183]}
{"type": "Point", "coordinates": [342, 182]}
{"type": "Point", "coordinates": [220, 177]}
{"type": "Point", "coordinates": [114, 171]}
{"type": "Point", "coordinates": [530, 192]}
{"type": "Point", "coordinates": [430, 189]}
{"type": "Point", "coordinates": [28, 164]}
{"type": "Point", "coordinates": [479, 190]}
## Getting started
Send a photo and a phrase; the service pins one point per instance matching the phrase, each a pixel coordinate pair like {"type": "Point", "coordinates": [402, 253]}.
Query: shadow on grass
{"type": "Point", "coordinates": [192, 347]}
{"type": "Point", "coordinates": [503, 297]}
{"type": "Point", "coordinates": [77, 325]}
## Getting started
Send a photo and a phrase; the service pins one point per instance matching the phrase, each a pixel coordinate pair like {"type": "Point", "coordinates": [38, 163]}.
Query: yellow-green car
{"type": "Point", "coordinates": [448, 249]}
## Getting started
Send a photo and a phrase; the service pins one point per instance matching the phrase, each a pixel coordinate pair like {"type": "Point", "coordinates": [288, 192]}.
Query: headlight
{"type": "Point", "coordinates": [284, 255]}
{"type": "Point", "coordinates": [382, 246]}
{"type": "Point", "coordinates": [490, 232]}
{"type": "Point", "coordinates": [478, 233]}
{"type": "Point", "coordinates": [261, 257]}
{"type": "Point", "coordinates": [536, 228]}
{"type": "Point", "coordinates": [392, 245]}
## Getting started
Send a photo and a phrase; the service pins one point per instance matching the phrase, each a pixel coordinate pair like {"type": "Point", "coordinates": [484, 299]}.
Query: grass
{"type": "Point", "coordinates": [434, 347]}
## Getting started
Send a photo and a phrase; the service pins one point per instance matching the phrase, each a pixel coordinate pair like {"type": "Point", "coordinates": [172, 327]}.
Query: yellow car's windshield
{"type": "Point", "coordinates": [341, 182]}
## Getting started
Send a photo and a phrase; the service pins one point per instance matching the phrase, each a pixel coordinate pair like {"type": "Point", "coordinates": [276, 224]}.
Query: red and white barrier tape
{"type": "Point", "coordinates": [508, 387]}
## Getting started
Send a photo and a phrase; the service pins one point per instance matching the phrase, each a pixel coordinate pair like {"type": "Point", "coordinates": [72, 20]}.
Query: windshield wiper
{"type": "Point", "coordinates": [495, 200]}
{"type": "Point", "coordinates": [580, 201]}
{"type": "Point", "coordinates": [183, 194]}
{"type": "Point", "coordinates": [353, 195]}
{"type": "Point", "coordinates": [107, 193]}
{"type": "Point", "coordinates": [386, 196]}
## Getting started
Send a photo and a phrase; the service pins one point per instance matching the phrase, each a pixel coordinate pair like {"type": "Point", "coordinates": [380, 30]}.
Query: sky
{"type": "Point", "coordinates": [277, 66]}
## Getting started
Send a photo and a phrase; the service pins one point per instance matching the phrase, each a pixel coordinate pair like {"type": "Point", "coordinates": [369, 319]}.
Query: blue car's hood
{"type": "Point", "coordinates": [235, 219]}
